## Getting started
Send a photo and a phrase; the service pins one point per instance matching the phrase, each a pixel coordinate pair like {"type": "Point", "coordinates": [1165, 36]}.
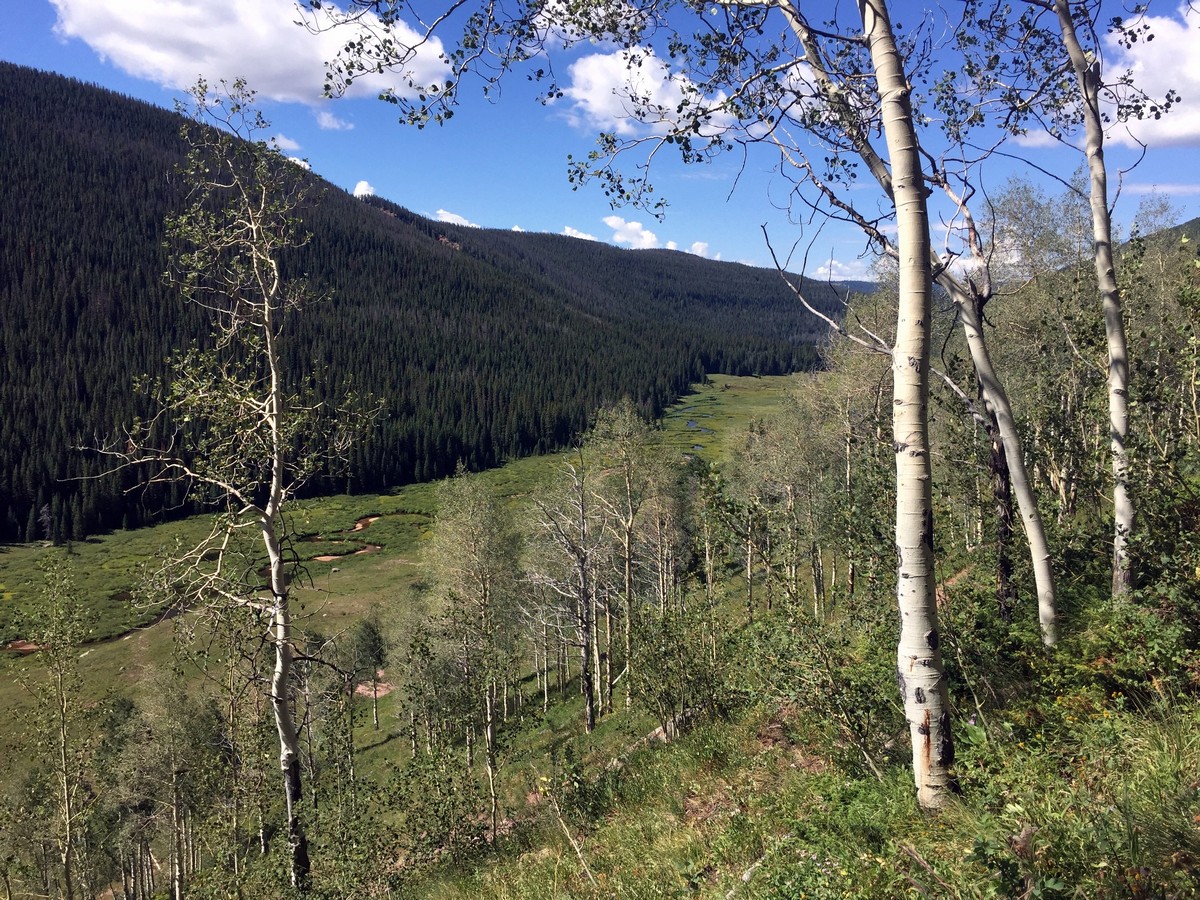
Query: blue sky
{"type": "Point", "coordinates": [503, 163]}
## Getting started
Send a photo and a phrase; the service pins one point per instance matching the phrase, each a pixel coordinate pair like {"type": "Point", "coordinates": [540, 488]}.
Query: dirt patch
{"type": "Point", "coordinates": [382, 688]}
{"type": "Point", "coordinates": [334, 557]}
{"type": "Point", "coordinates": [22, 647]}
{"type": "Point", "coordinates": [365, 521]}
{"type": "Point", "coordinates": [776, 734]}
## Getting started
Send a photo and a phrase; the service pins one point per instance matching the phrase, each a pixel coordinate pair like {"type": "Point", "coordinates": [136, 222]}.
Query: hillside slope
{"type": "Point", "coordinates": [482, 345]}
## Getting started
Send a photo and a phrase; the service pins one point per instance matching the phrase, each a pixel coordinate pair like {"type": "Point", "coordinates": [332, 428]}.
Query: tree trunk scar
{"type": "Point", "coordinates": [945, 740]}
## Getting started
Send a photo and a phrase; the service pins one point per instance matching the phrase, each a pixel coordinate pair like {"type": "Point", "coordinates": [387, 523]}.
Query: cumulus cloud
{"type": "Point", "coordinates": [172, 42]}
{"type": "Point", "coordinates": [285, 143]}
{"type": "Point", "coordinates": [700, 248]}
{"type": "Point", "coordinates": [1036, 139]}
{"type": "Point", "coordinates": [364, 189]}
{"type": "Point", "coordinates": [635, 234]}
{"type": "Point", "coordinates": [517, 228]}
{"type": "Point", "coordinates": [626, 91]}
{"type": "Point", "coordinates": [444, 215]}
{"type": "Point", "coordinates": [1169, 62]}
{"type": "Point", "coordinates": [576, 233]}
{"type": "Point", "coordinates": [835, 270]}
{"type": "Point", "coordinates": [329, 122]}
{"type": "Point", "coordinates": [302, 163]}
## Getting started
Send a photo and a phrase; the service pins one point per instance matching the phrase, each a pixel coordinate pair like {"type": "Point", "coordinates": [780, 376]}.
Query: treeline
{"type": "Point", "coordinates": [482, 345]}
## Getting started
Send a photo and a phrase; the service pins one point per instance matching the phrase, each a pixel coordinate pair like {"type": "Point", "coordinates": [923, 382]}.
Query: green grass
{"type": "Point", "coordinates": [332, 596]}
{"type": "Point", "coordinates": [711, 421]}
{"type": "Point", "coordinates": [1106, 795]}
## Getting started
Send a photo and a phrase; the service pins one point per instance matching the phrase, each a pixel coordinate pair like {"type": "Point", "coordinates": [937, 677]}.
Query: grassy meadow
{"type": "Point", "coordinates": [129, 639]}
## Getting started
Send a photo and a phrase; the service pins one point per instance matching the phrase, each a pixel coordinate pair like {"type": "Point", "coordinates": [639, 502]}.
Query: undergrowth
{"type": "Point", "coordinates": [1075, 784]}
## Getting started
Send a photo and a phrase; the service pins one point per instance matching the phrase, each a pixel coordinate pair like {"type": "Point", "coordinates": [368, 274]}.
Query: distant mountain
{"type": "Point", "coordinates": [1189, 230]}
{"type": "Point", "coordinates": [482, 344]}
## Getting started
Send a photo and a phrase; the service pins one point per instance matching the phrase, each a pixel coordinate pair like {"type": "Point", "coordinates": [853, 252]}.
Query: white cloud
{"type": "Point", "coordinates": [1037, 139]}
{"type": "Point", "coordinates": [285, 143]}
{"type": "Point", "coordinates": [444, 215]}
{"type": "Point", "coordinates": [172, 42]}
{"type": "Point", "coordinates": [329, 122]}
{"type": "Point", "coordinates": [1168, 189]}
{"type": "Point", "coordinates": [700, 248]}
{"type": "Point", "coordinates": [635, 234]}
{"type": "Point", "coordinates": [302, 163]}
{"type": "Point", "coordinates": [1171, 61]}
{"type": "Point", "coordinates": [835, 270]}
{"type": "Point", "coordinates": [576, 233]}
{"type": "Point", "coordinates": [517, 228]}
{"type": "Point", "coordinates": [364, 189]}
{"type": "Point", "coordinates": [627, 91]}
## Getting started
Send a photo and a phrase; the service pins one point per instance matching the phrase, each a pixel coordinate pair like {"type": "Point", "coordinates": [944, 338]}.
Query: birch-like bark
{"type": "Point", "coordinates": [281, 617]}
{"type": "Point", "coordinates": [966, 300]}
{"type": "Point", "coordinates": [66, 782]}
{"type": "Point", "coordinates": [920, 672]}
{"type": "Point", "coordinates": [1087, 74]}
{"type": "Point", "coordinates": [996, 398]}
{"type": "Point", "coordinates": [489, 733]}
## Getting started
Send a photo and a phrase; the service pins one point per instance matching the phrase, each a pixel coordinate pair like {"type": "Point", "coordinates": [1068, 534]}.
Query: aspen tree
{"type": "Point", "coordinates": [739, 85]}
{"type": "Point", "coordinates": [230, 424]}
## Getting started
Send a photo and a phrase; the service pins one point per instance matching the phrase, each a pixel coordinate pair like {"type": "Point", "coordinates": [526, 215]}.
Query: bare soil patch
{"type": "Point", "coordinates": [22, 647]}
{"type": "Point", "coordinates": [382, 688]}
{"type": "Point", "coordinates": [334, 557]}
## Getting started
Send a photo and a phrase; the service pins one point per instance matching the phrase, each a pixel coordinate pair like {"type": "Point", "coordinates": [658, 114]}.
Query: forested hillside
{"type": "Point", "coordinates": [481, 345]}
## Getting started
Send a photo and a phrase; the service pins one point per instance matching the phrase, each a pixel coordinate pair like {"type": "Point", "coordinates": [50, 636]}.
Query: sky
{"type": "Point", "coordinates": [501, 162]}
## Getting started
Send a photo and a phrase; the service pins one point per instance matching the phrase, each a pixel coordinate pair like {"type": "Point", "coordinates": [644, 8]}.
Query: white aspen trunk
{"type": "Point", "coordinates": [66, 788]}
{"type": "Point", "coordinates": [281, 626]}
{"type": "Point", "coordinates": [818, 580]}
{"type": "Point", "coordinates": [597, 674]}
{"type": "Point", "coordinates": [791, 563]}
{"type": "Point", "coordinates": [768, 561]}
{"type": "Point", "coordinates": [586, 685]}
{"type": "Point", "coordinates": [348, 725]}
{"type": "Point", "coordinates": [546, 667]}
{"type": "Point", "coordinates": [490, 740]}
{"type": "Point", "coordinates": [996, 399]}
{"type": "Point", "coordinates": [177, 840]}
{"type": "Point", "coordinates": [1087, 74]}
{"type": "Point", "coordinates": [848, 448]}
{"type": "Point", "coordinates": [607, 657]}
{"type": "Point", "coordinates": [587, 621]}
{"type": "Point", "coordinates": [710, 560]}
{"type": "Point", "coordinates": [627, 599]}
{"type": "Point", "coordinates": [749, 567]}
{"type": "Point", "coordinates": [375, 697]}
{"type": "Point", "coordinates": [920, 672]}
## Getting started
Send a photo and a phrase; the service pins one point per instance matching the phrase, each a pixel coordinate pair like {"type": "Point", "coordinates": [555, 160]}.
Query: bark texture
{"type": "Point", "coordinates": [920, 673]}
{"type": "Point", "coordinates": [1087, 75]}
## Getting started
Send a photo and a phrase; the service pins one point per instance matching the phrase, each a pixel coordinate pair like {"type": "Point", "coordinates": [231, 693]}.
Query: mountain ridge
{"type": "Point", "coordinates": [483, 344]}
